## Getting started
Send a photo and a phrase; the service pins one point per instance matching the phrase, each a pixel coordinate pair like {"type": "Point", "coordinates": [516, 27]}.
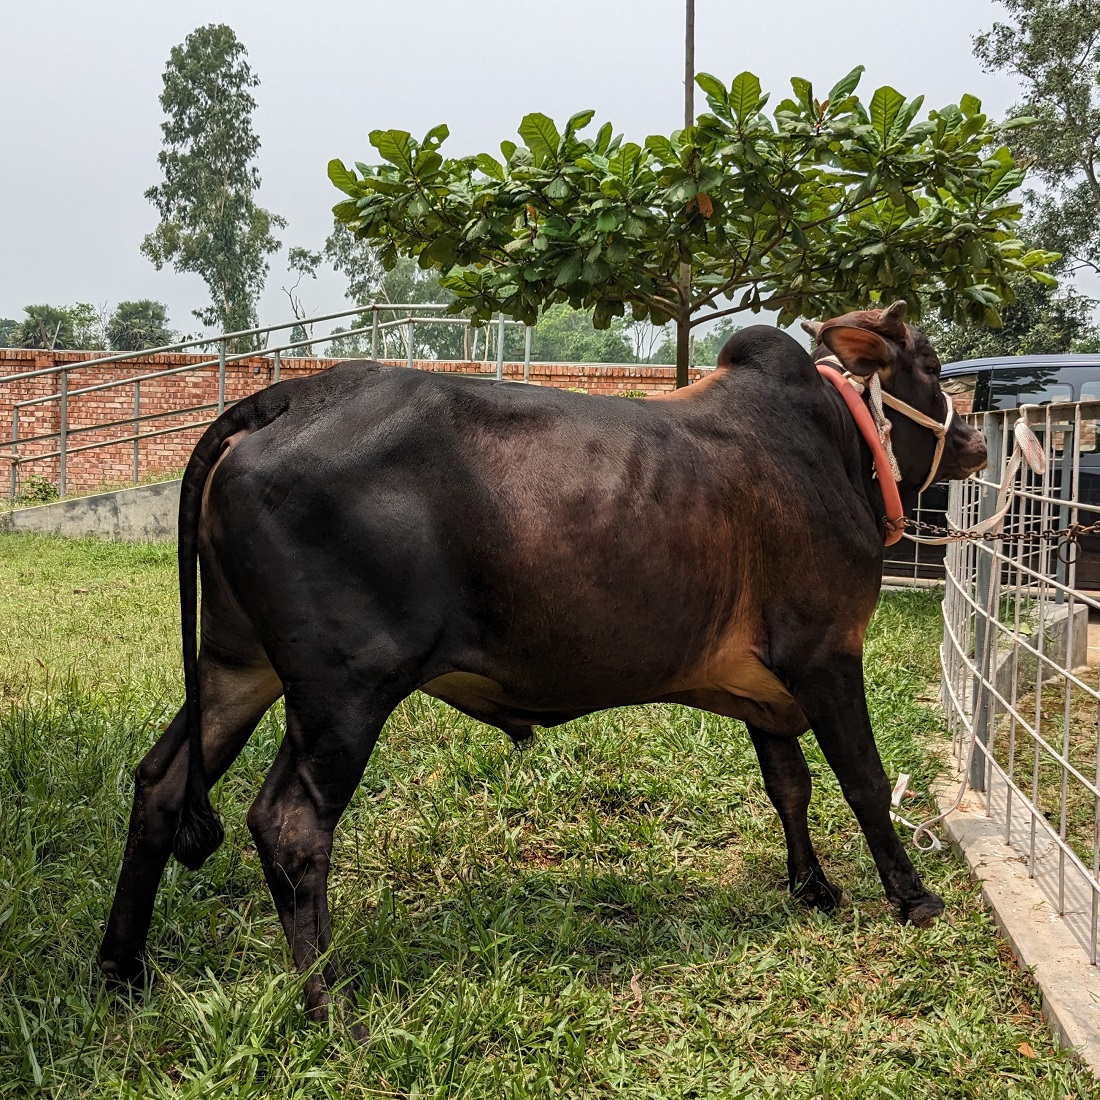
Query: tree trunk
{"type": "Point", "coordinates": [683, 348]}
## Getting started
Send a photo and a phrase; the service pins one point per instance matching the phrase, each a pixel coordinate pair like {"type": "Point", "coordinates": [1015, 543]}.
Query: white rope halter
{"type": "Point", "coordinates": [1026, 448]}
{"type": "Point", "coordinates": [877, 397]}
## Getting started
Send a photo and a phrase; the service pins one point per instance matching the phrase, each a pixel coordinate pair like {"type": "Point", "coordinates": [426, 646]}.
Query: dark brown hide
{"type": "Point", "coordinates": [529, 556]}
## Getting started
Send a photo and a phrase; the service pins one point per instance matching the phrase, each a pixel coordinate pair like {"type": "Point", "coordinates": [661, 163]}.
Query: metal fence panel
{"type": "Point", "coordinates": [1021, 696]}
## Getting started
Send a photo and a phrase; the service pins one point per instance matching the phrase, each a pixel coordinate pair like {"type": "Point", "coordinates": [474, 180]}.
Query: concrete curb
{"type": "Point", "coordinates": [141, 514]}
{"type": "Point", "coordinates": [1038, 936]}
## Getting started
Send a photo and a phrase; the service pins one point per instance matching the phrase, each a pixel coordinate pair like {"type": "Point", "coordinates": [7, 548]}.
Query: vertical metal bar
{"type": "Point", "coordinates": [500, 347]}
{"type": "Point", "coordinates": [14, 454]}
{"type": "Point", "coordinates": [137, 426]}
{"type": "Point", "coordinates": [64, 432]}
{"type": "Point", "coordinates": [374, 332]}
{"type": "Point", "coordinates": [221, 376]}
{"type": "Point", "coordinates": [985, 642]}
{"type": "Point", "coordinates": [277, 371]}
{"type": "Point", "coordinates": [409, 349]}
{"type": "Point", "coordinates": [527, 353]}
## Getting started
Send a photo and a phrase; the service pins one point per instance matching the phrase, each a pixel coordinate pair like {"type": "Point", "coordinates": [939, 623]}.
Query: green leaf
{"type": "Point", "coordinates": [713, 87]}
{"type": "Point", "coordinates": [1019, 123]}
{"type": "Point", "coordinates": [803, 91]}
{"type": "Point", "coordinates": [396, 147]}
{"type": "Point", "coordinates": [970, 106]}
{"type": "Point", "coordinates": [744, 95]}
{"type": "Point", "coordinates": [569, 271]}
{"type": "Point", "coordinates": [540, 135]}
{"type": "Point", "coordinates": [846, 85]}
{"type": "Point", "coordinates": [490, 166]}
{"type": "Point", "coordinates": [346, 181]}
{"type": "Point", "coordinates": [578, 122]}
{"type": "Point", "coordinates": [662, 148]}
{"type": "Point", "coordinates": [437, 135]}
{"type": "Point", "coordinates": [885, 105]}
{"type": "Point", "coordinates": [508, 148]}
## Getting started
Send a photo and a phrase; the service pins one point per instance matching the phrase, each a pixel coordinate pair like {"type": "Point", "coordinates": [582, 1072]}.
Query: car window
{"type": "Point", "coordinates": [1032, 385]}
{"type": "Point", "coordinates": [1088, 444]}
{"type": "Point", "coordinates": [964, 390]}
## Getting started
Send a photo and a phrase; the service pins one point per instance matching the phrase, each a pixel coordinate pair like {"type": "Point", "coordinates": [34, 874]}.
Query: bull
{"type": "Point", "coordinates": [530, 556]}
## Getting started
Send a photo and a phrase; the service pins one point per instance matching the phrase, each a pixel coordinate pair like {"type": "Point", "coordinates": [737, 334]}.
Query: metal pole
{"type": "Point", "coordinates": [689, 64]}
{"type": "Point", "coordinates": [689, 119]}
{"type": "Point", "coordinates": [137, 426]}
{"type": "Point", "coordinates": [278, 366]}
{"type": "Point", "coordinates": [374, 332]}
{"type": "Point", "coordinates": [409, 357]}
{"type": "Point", "coordinates": [14, 453]}
{"type": "Point", "coordinates": [527, 353]}
{"type": "Point", "coordinates": [64, 433]}
{"type": "Point", "coordinates": [986, 591]}
{"type": "Point", "coordinates": [221, 376]}
{"type": "Point", "coordinates": [500, 348]}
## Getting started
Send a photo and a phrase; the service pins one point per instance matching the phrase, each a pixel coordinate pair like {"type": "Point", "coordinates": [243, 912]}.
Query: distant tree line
{"type": "Point", "coordinates": [131, 326]}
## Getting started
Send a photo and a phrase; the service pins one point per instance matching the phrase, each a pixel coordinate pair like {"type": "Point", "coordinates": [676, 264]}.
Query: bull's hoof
{"type": "Point", "coordinates": [921, 911]}
{"type": "Point", "coordinates": [817, 892]}
{"type": "Point", "coordinates": [124, 973]}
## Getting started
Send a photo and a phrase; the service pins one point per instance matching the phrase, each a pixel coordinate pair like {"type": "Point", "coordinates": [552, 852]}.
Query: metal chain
{"type": "Point", "coordinates": [1072, 533]}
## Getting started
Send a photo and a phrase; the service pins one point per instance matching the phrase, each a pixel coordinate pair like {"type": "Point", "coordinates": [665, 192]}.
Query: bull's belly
{"type": "Point", "coordinates": [741, 688]}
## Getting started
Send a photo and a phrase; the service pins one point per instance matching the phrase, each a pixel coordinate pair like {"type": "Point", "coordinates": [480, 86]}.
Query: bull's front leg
{"type": "Point", "coordinates": [831, 692]}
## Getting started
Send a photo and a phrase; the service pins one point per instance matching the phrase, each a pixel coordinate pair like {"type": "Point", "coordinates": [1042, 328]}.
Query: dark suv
{"type": "Point", "coordinates": [979, 385]}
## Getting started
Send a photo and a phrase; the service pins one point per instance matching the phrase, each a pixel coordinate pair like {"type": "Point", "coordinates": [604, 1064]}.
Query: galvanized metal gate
{"type": "Point", "coordinates": [1021, 695]}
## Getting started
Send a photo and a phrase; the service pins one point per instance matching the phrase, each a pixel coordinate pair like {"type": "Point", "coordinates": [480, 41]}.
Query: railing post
{"type": "Point", "coordinates": [527, 353]}
{"type": "Point", "coordinates": [986, 592]}
{"type": "Point", "coordinates": [137, 427]}
{"type": "Point", "coordinates": [221, 376]}
{"type": "Point", "coordinates": [409, 358]}
{"type": "Point", "coordinates": [64, 431]}
{"type": "Point", "coordinates": [14, 453]}
{"type": "Point", "coordinates": [278, 366]}
{"type": "Point", "coordinates": [500, 347]}
{"type": "Point", "coordinates": [374, 332]}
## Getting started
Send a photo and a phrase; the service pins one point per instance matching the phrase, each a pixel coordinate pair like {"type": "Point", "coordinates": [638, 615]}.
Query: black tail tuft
{"type": "Point", "coordinates": [198, 835]}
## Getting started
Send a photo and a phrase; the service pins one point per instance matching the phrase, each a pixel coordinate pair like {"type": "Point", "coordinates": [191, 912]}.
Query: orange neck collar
{"type": "Point", "coordinates": [891, 498]}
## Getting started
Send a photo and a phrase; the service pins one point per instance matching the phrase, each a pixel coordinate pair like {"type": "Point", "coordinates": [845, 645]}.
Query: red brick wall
{"type": "Point", "coordinates": [114, 465]}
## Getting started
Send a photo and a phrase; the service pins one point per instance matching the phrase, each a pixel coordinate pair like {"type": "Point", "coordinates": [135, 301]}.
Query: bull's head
{"type": "Point", "coordinates": [878, 341]}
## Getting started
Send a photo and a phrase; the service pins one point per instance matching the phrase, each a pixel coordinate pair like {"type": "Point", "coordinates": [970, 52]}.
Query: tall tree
{"type": "Point", "coordinates": [45, 326]}
{"type": "Point", "coordinates": [370, 280]}
{"type": "Point", "coordinates": [818, 208]}
{"type": "Point", "coordinates": [135, 326]}
{"type": "Point", "coordinates": [210, 222]}
{"type": "Point", "coordinates": [1053, 48]}
{"type": "Point", "coordinates": [7, 331]}
{"type": "Point", "coordinates": [1041, 321]}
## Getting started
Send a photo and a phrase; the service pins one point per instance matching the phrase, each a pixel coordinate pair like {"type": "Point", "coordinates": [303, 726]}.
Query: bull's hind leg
{"type": "Point", "coordinates": [233, 700]}
{"type": "Point", "coordinates": [831, 692]}
{"type": "Point", "coordinates": [330, 732]}
{"type": "Point", "coordinates": [787, 781]}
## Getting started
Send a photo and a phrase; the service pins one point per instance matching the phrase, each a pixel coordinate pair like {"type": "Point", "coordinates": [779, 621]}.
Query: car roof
{"type": "Point", "coordinates": [1006, 362]}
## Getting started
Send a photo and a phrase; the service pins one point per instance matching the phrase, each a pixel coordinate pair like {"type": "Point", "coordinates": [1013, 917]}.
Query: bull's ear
{"type": "Point", "coordinates": [861, 351]}
{"type": "Point", "coordinates": [811, 327]}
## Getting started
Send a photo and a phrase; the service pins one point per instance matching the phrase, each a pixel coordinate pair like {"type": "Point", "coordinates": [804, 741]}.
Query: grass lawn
{"type": "Point", "coordinates": [603, 915]}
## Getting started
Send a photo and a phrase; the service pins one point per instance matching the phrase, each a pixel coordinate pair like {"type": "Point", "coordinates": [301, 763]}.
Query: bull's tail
{"type": "Point", "coordinates": [199, 832]}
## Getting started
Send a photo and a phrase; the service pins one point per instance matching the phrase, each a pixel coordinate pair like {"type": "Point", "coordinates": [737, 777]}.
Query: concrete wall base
{"type": "Point", "coordinates": [145, 513]}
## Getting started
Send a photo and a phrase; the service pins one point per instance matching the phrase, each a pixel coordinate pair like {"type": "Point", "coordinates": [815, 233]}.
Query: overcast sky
{"type": "Point", "coordinates": [79, 83]}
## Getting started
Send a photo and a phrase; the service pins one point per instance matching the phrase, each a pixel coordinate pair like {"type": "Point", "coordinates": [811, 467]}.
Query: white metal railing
{"type": "Point", "coordinates": [22, 450]}
{"type": "Point", "coordinates": [1021, 695]}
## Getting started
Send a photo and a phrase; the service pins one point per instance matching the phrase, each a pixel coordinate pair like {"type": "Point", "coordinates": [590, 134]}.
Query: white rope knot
{"type": "Point", "coordinates": [873, 387]}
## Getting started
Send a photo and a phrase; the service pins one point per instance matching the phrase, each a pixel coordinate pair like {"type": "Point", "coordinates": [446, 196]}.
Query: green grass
{"type": "Point", "coordinates": [603, 915]}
